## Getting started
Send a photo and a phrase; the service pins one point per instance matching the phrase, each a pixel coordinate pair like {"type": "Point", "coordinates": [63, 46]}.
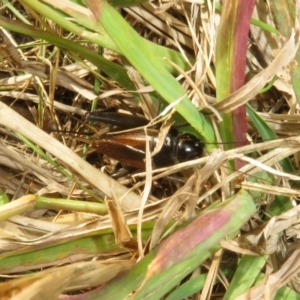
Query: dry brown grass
{"type": "Point", "coordinates": [43, 90]}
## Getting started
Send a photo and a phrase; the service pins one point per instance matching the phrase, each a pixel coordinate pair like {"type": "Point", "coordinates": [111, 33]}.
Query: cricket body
{"type": "Point", "coordinates": [129, 148]}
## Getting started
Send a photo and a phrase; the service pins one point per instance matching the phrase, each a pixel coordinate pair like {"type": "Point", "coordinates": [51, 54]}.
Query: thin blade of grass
{"type": "Point", "coordinates": [246, 275]}
{"type": "Point", "coordinates": [110, 187]}
{"type": "Point", "coordinates": [143, 59]}
{"type": "Point", "coordinates": [231, 57]}
{"type": "Point", "coordinates": [182, 252]}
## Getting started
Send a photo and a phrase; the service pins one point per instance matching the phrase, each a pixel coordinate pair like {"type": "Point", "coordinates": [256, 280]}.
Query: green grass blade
{"type": "Point", "coordinates": [50, 253]}
{"type": "Point", "coordinates": [83, 25]}
{"type": "Point", "coordinates": [181, 252]}
{"type": "Point", "coordinates": [246, 275]}
{"type": "Point", "coordinates": [267, 134]}
{"type": "Point", "coordinates": [188, 288]}
{"type": "Point", "coordinates": [231, 51]}
{"type": "Point", "coordinates": [143, 59]}
{"type": "Point", "coordinates": [286, 293]}
{"type": "Point", "coordinates": [115, 71]}
{"type": "Point", "coordinates": [281, 203]}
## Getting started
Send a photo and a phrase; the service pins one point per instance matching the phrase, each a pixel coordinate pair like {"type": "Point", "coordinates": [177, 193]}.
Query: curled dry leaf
{"type": "Point", "coordinates": [122, 233]}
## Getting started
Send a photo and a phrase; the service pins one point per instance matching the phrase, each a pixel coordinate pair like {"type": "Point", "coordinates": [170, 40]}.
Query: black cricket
{"type": "Point", "coordinates": [129, 148]}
